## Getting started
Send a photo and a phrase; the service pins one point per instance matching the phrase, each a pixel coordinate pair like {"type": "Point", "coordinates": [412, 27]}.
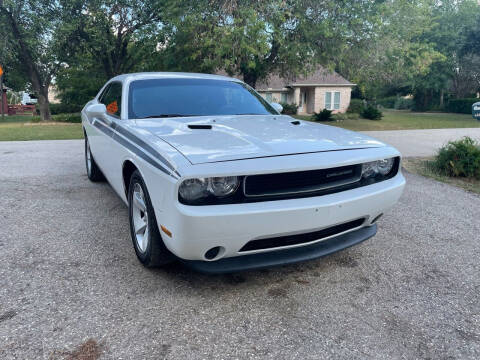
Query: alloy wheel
{"type": "Point", "coordinates": [140, 218]}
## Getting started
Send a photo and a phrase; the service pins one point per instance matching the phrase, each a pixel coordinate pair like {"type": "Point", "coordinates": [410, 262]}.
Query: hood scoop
{"type": "Point", "coordinates": [199, 127]}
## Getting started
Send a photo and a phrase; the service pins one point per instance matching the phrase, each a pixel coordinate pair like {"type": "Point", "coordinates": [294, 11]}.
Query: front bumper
{"type": "Point", "coordinates": [284, 257]}
{"type": "Point", "coordinates": [197, 229]}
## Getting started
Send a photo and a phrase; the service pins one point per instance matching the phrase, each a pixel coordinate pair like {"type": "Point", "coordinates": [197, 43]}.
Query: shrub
{"type": "Point", "coordinates": [403, 104]}
{"type": "Point", "coordinates": [371, 113]}
{"type": "Point", "coordinates": [396, 102]}
{"type": "Point", "coordinates": [459, 159]}
{"type": "Point", "coordinates": [356, 106]}
{"type": "Point", "coordinates": [345, 116]}
{"type": "Point", "coordinates": [64, 108]}
{"type": "Point", "coordinates": [388, 102]}
{"type": "Point", "coordinates": [289, 109]}
{"type": "Point", "coordinates": [462, 106]}
{"type": "Point", "coordinates": [324, 115]}
{"type": "Point", "coordinates": [69, 118]}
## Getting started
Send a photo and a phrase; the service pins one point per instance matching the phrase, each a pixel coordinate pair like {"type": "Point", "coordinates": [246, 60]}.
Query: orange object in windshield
{"type": "Point", "coordinates": [112, 108]}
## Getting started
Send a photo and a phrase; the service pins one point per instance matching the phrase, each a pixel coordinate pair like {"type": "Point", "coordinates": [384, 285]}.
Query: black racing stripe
{"type": "Point", "coordinates": [143, 145]}
{"type": "Point", "coordinates": [141, 154]}
{"type": "Point", "coordinates": [109, 132]}
{"type": "Point", "coordinates": [103, 127]}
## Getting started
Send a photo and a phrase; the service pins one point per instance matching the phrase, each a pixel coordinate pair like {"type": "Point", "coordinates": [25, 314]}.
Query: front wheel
{"type": "Point", "coordinates": [147, 241]}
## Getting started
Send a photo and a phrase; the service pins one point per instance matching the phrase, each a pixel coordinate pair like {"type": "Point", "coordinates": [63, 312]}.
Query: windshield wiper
{"type": "Point", "coordinates": [167, 116]}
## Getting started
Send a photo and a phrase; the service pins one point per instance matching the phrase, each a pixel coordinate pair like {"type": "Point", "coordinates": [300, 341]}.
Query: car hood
{"type": "Point", "coordinates": [207, 139]}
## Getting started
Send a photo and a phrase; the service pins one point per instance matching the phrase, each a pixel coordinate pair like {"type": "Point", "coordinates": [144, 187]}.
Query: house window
{"type": "Point", "coordinates": [268, 96]}
{"type": "Point", "coordinates": [335, 105]}
{"type": "Point", "coordinates": [336, 101]}
{"type": "Point", "coordinates": [284, 98]}
{"type": "Point", "coordinates": [328, 100]}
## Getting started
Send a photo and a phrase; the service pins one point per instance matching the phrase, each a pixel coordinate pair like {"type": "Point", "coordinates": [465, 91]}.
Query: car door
{"type": "Point", "coordinates": [106, 151]}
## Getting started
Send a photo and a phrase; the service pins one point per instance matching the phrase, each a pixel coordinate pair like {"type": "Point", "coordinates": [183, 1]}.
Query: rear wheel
{"type": "Point", "coordinates": [147, 241]}
{"type": "Point", "coordinates": [93, 171]}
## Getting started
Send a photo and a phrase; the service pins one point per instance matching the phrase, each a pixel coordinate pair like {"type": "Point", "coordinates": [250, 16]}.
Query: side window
{"type": "Point", "coordinates": [112, 99]}
{"type": "Point", "coordinates": [268, 97]}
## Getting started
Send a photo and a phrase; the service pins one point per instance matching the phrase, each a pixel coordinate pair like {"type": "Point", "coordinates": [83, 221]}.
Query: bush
{"type": "Point", "coordinates": [403, 104]}
{"type": "Point", "coordinates": [371, 113]}
{"type": "Point", "coordinates": [69, 118]}
{"type": "Point", "coordinates": [345, 116]}
{"type": "Point", "coordinates": [324, 115]}
{"type": "Point", "coordinates": [62, 108]}
{"type": "Point", "coordinates": [459, 159]}
{"type": "Point", "coordinates": [356, 106]}
{"type": "Point", "coordinates": [462, 106]}
{"type": "Point", "coordinates": [289, 109]}
{"type": "Point", "coordinates": [388, 102]}
{"type": "Point", "coordinates": [396, 102]}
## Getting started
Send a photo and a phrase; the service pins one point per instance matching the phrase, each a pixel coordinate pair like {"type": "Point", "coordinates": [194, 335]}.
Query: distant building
{"type": "Point", "coordinates": [323, 89]}
{"type": "Point", "coordinates": [53, 95]}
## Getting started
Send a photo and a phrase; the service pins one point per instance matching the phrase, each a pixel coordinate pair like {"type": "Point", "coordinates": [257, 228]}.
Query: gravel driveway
{"type": "Point", "coordinates": [72, 286]}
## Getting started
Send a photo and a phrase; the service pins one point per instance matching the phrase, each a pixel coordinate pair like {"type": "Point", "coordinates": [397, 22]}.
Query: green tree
{"type": "Point", "coordinates": [256, 38]}
{"type": "Point", "coordinates": [389, 56]}
{"type": "Point", "coordinates": [451, 21]}
{"type": "Point", "coordinates": [105, 39]}
{"type": "Point", "coordinates": [31, 26]}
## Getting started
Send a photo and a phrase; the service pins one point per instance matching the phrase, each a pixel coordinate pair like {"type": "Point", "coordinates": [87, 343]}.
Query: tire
{"type": "Point", "coordinates": [93, 171]}
{"type": "Point", "coordinates": [147, 241]}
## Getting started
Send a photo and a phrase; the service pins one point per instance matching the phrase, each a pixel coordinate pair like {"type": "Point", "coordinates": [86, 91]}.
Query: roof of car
{"type": "Point", "coordinates": [177, 75]}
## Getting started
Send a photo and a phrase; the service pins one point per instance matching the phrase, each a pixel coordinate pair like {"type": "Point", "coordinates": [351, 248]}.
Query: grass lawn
{"type": "Point", "coordinates": [404, 120]}
{"type": "Point", "coordinates": [31, 128]}
{"type": "Point", "coordinates": [15, 128]}
{"type": "Point", "coordinates": [420, 166]}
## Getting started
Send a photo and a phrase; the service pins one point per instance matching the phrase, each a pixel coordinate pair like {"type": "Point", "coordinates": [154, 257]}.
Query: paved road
{"type": "Point", "coordinates": [71, 285]}
{"type": "Point", "coordinates": [422, 142]}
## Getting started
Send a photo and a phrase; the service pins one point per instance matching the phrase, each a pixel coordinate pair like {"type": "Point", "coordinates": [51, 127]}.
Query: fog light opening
{"type": "Point", "coordinates": [214, 253]}
{"type": "Point", "coordinates": [376, 219]}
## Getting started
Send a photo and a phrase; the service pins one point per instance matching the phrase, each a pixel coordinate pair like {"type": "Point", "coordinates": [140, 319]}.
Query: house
{"type": "Point", "coordinates": [322, 89]}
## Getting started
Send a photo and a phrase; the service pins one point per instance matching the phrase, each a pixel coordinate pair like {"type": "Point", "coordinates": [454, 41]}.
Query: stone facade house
{"type": "Point", "coordinates": [322, 89]}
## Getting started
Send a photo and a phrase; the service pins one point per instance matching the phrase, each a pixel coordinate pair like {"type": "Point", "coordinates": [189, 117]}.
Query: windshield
{"type": "Point", "coordinates": [193, 97]}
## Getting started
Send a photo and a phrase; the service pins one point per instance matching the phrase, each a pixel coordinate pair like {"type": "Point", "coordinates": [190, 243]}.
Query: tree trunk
{"type": "Point", "coordinates": [250, 78]}
{"type": "Point", "coordinates": [441, 98]}
{"type": "Point", "coordinates": [44, 106]}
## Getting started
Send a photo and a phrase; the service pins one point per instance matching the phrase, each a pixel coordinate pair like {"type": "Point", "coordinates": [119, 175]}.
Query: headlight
{"type": "Point", "coordinates": [385, 166]}
{"type": "Point", "coordinates": [223, 186]}
{"type": "Point", "coordinates": [382, 167]}
{"type": "Point", "coordinates": [191, 190]}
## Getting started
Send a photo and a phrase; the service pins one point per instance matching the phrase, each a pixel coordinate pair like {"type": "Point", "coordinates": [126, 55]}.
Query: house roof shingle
{"type": "Point", "coordinates": [321, 76]}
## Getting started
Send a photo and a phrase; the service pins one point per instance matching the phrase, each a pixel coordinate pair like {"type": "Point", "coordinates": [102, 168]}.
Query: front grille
{"type": "Point", "coordinates": [289, 240]}
{"type": "Point", "coordinates": [301, 181]}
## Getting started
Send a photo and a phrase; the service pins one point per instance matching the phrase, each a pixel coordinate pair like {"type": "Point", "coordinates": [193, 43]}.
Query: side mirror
{"type": "Point", "coordinates": [277, 107]}
{"type": "Point", "coordinates": [96, 110]}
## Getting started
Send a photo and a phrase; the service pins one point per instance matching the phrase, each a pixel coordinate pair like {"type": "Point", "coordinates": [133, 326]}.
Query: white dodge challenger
{"type": "Point", "coordinates": [216, 177]}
